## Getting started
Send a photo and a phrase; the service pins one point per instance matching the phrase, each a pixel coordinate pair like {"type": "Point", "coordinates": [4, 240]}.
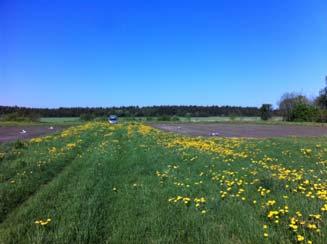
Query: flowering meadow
{"type": "Point", "coordinates": [131, 183]}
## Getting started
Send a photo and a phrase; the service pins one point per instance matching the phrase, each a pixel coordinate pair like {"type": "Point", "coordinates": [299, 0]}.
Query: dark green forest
{"type": "Point", "coordinates": [134, 111]}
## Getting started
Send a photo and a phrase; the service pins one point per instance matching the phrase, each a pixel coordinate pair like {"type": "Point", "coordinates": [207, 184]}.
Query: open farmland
{"type": "Point", "coordinates": [131, 183]}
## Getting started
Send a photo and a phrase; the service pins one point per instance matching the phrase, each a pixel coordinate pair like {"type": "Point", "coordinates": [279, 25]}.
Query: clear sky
{"type": "Point", "coordinates": [112, 53]}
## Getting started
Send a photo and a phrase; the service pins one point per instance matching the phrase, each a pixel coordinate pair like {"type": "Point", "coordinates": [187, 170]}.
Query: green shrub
{"type": "Point", "coordinates": [164, 118]}
{"type": "Point", "coordinates": [87, 117]}
{"type": "Point", "coordinates": [266, 111]}
{"type": "Point", "coordinates": [168, 118]}
{"type": "Point", "coordinates": [322, 116]}
{"type": "Point", "coordinates": [232, 117]}
{"type": "Point", "coordinates": [304, 113]}
{"type": "Point", "coordinates": [174, 118]}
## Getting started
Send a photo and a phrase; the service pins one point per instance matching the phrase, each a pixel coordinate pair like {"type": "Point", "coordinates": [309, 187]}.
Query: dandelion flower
{"type": "Point", "coordinates": [300, 238]}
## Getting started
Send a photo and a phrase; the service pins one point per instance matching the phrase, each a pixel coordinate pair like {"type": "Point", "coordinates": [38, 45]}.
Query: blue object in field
{"type": "Point", "coordinates": [113, 119]}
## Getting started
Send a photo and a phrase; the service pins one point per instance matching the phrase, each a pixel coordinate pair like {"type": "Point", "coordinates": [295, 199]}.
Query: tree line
{"type": "Point", "coordinates": [131, 111]}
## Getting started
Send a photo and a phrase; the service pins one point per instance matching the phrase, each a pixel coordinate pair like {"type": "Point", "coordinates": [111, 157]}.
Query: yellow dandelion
{"type": "Point", "coordinates": [300, 238]}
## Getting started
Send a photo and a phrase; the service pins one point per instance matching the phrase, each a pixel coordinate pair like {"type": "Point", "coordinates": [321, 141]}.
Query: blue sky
{"type": "Point", "coordinates": [113, 53]}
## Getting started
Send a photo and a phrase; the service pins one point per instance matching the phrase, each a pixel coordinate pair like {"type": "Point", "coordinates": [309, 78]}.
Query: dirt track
{"type": "Point", "coordinates": [242, 130]}
{"type": "Point", "coordinates": [12, 133]}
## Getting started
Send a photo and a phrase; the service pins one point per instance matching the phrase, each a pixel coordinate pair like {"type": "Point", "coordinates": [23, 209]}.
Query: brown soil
{"type": "Point", "coordinates": [12, 133]}
{"type": "Point", "coordinates": [242, 130]}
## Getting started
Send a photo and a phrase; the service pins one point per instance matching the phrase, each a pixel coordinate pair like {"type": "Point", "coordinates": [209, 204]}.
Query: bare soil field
{"type": "Point", "coordinates": [242, 130]}
{"type": "Point", "coordinates": [12, 133]}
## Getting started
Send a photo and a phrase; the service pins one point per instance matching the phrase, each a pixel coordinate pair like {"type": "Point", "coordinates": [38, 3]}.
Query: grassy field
{"type": "Point", "coordinates": [60, 120]}
{"type": "Point", "coordinates": [129, 183]}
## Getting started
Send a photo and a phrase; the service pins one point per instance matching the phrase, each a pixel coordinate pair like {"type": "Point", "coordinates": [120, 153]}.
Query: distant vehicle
{"type": "Point", "coordinates": [113, 119]}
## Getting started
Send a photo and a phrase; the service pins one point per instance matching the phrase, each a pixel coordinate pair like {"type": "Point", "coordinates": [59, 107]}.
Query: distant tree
{"type": "Point", "coordinates": [33, 116]}
{"type": "Point", "coordinates": [321, 100]}
{"type": "Point", "coordinates": [288, 102]}
{"type": "Point", "coordinates": [266, 111]}
{"type": "Point", "coordinates": [321, 103]}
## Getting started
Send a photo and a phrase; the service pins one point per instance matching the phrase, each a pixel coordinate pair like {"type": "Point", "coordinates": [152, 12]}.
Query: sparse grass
{"type": "Point", "coordinates": [128, 183]}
